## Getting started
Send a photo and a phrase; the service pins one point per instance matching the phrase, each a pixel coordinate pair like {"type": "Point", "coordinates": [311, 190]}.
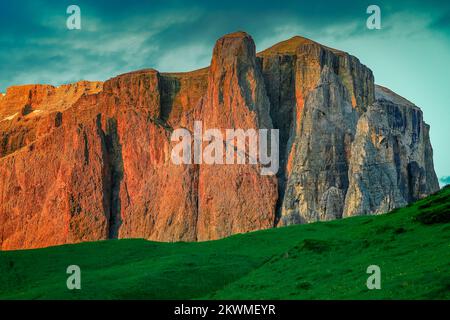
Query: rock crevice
{"type": "Point", "coordinates": [91, 161]}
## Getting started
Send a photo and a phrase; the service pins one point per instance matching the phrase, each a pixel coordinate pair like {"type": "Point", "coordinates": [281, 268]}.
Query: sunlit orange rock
{"type": "Point", "coordinates": [90, 160]}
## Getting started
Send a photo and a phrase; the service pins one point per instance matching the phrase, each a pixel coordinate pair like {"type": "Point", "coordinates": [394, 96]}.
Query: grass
{"type": "Point", "coordinates": [325, 260]}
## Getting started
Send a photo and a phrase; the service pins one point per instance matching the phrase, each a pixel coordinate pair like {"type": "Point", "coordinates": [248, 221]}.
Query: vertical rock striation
{"type": "Point", "coordinates": [91, 161]}
{"type": "Point", "coordinates": [392, 158]}
{"type": "Point", "coordinates": [235, 198]}
{"type": "Point", "coordinates": [318, 180]}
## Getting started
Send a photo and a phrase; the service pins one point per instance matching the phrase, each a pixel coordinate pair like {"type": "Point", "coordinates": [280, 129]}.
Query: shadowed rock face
{"type": "Point", "coordinates": [318, 180]}
{"type": "Point", "coordinates": [391, 159]}
{"type": "Point", "coordinates": [91, 161]}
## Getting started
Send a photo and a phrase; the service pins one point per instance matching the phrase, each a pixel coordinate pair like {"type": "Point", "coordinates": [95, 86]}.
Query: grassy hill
{"type": "Point", "coordinates": [326, 260]}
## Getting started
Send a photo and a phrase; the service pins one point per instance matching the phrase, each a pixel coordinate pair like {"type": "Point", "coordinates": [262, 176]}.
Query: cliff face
{"type": "Point", "coordinates": [391, 161]}
{"type": "Point", "coordinates": [91, 161]}
{"type": "Point", "coordinates": [234, 198]}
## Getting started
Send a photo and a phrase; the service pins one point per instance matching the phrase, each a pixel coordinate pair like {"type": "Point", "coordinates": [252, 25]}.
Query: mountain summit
{"type": "Point", "coordinates": [91, 160]}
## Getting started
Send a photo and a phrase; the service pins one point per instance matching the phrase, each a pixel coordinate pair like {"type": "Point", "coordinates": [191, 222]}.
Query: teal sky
{"type": "Point", "coordinates": [410, 54]}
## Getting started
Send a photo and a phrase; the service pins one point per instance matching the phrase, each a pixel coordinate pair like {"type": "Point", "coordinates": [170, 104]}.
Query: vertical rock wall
{"type": "Point", "coordinates": [91, 161]}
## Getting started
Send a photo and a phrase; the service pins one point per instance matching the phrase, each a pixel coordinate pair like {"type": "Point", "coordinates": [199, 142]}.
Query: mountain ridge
{"type": "Point", "coordinates": [95, 156]}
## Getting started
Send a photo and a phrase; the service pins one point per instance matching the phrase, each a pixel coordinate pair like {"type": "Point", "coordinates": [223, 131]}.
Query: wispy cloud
{"type": "Point", "coordinates": [119, 36]}
{"type": "Point", "coordinates": [410, 54]}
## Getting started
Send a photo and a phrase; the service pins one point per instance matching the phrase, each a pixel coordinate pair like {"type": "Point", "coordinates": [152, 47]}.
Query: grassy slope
{"type": "Point", "coordinates": [316, 261]}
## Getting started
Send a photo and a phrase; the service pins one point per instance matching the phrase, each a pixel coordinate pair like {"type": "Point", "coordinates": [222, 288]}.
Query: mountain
{"type": "Point", "coordinates": [325, 260]}
{"type": "Point", "coordinates": [91, 161]}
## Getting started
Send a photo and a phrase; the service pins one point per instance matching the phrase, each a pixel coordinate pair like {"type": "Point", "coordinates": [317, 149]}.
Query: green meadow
{"type": "Point", "coordinates": [324, 260]}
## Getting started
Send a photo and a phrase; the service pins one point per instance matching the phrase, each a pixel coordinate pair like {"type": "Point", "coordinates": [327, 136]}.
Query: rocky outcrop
{"type": "Point", "coordinates": [292, 70]}
{"type": "Point", "coordinates": [350, 162]}
{"type": "Point", "coordinates": [55, 189]}
{"type": "Point", "coordinates": [392, 158]}
{"type": "Point", "coordinates": [235, 198]}
{"type": "Point", "coordinates": [31, 111]}
{"type": "Point", "coordinates": [91, 161]}
{"type": "Point", "coordinates": [319, 178]}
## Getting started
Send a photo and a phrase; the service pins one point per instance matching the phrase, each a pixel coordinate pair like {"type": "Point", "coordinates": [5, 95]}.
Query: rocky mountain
{"type": "Point", "coordinates": [91, 160]}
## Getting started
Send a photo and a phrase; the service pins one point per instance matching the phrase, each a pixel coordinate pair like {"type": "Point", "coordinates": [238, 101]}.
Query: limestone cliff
{"type": "Point", "coordinates": [91, 161]}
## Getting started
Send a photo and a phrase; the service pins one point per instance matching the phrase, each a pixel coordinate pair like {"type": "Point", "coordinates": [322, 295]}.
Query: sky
{"type": "Point", "coordinates": [410, 54]}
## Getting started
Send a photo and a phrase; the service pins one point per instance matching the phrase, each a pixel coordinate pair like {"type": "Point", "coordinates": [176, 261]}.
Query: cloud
{"type": "Point", "coordinates": [120, 36]}
{"type": "Point", "coordinates": [444, 180]}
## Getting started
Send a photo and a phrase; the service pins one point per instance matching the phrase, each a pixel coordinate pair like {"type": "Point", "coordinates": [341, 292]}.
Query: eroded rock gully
{"type": "Point", "coordinates": [91, 161]}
